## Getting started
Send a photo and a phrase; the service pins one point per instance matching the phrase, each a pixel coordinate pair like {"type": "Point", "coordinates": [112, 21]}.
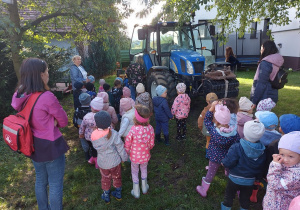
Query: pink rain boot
{"type": "Point", "coordinates": [202, 190]}
{"type": "Point", "coordinates": [92, 160]}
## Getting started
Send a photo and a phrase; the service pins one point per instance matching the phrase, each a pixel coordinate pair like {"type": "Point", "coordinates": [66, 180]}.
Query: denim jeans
{"type": "Point", "coordinates": [49, 173]}
{"type": "Point", "coordinates": [132, 90]}
{"type": "Point", "coordinates": [85, 145]}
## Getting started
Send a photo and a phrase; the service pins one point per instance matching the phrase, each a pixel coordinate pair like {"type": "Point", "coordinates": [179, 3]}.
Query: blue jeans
{"type": "Point", "coordinates": [85, 145]}
{"type": "Point", "coordinates": [49, 173]}
{"type": "Point", "coordinates": [132, 89]}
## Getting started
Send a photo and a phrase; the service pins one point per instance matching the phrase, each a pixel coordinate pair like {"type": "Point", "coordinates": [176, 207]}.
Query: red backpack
{"type": "Point", "coordinates": [16, 128]}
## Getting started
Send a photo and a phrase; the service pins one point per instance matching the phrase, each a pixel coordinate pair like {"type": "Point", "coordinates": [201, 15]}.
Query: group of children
{"type": "Point", "coordinates": [106, 148]}
{"type": "Point", "coordinates": [243, 142]}
{"type": "Point", "coordinates": [250, 149]}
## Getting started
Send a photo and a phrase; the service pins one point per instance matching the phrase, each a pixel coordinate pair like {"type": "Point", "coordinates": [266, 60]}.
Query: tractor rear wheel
{"type": "Point", "coordinates": [165, 79]}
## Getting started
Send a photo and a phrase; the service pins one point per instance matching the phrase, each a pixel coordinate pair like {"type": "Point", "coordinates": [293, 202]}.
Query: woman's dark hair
{"type": "Point", "coordinates": [31, 78]}
{"type": "Point", "coordinates": [269, 48]}
{"type": "Point", "coordinates": [144, 112]}
{"type": "Point", "coordinates": [228, 53]}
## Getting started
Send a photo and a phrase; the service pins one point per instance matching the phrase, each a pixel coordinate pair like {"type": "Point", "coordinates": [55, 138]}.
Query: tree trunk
{"type": "Point", "coordinates": [16, 37]}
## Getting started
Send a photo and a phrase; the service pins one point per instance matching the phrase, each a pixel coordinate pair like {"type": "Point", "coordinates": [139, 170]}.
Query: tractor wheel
{"type": "Point", "coordinates": [165, 79]}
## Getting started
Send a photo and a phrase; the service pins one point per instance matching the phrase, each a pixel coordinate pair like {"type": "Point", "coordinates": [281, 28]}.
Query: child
{"type": "Point", "coordinates": [270, 121]}
{"type": "Point", "coordinates": [91, 78]}
{"type": "Point", "coordinates": [284, 173]}
{"type": "Point", "coordinates": [138, 143]}
{"type": "Point", "coordinates": [126, 94]}
{"type": "Point", "coordinates": [101, 88]}
{"type": "Point", "coordinates": [233, 107]}
{"type": "Point", "coordinates": [162, 113]}
{"type": "Point", "coordinates": [210, 98]}
{"type": "Point", "coordinates": [127, 118]}
{"type": "Point", "coordinates": [143, 97]}
{"type": "Point", "coordinates": [106, 88]}
{"type": "Point", "coordinates": [85, 100]}
{"type": "Point", "coordinates": [219, 144]}
{"type": "Point", "coordinates": [111, 153]}
{"type": "Point", "coordinates": [109, 109]}
{"type": "Point", "coordinates": [244, 114]}
{"type": "Point", "coordinates": [181, 109]}
{"type": "Point", "coordinates": [78, 86]}
{"type": "Point", "coordinates": [88, 125]}
{"type": "Point", "coordinates": [117, 94]}
{"type": "Point", "coordinates": [245, 161]}
{"type": "Point", "coordinates": [266, 105]}
{"type": "Point", "coordinates": [90, 89]}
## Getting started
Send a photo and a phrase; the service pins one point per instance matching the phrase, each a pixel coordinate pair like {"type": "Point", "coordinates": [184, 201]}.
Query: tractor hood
{"type": "Point", "coordinates": [187, 62]}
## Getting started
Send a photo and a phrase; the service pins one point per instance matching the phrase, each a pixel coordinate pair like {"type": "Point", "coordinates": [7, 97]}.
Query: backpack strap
{"type": "Point", "coordinates": [28, 108]}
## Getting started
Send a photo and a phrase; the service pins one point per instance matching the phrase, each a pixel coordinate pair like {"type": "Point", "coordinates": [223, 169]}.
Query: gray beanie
{"type": "Point", "coordinates": [85, 99]}
{"type": "Point", "coordinates": [102, 119]}
{"type": "Point", "coordinates": [253, 131]}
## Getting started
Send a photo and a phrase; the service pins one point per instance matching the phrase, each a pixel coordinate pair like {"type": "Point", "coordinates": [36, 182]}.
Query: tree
{"type": "Point", "coordinates": [80, 20]}
{"type": "Point", "coordinates": [228, 11]}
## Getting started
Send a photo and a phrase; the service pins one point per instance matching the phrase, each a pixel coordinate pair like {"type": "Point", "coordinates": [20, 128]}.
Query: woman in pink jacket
{"type": "Point", "coordinates": [49, 145]}
{"type": "Point", "coordinates": [138, 143]}
{"type": "Point", "coordinates": [111, 110]}
{"type": "Point", "coordinates": [181, 109]}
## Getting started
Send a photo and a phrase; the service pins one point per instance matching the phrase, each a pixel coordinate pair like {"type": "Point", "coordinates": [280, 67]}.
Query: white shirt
{"type": "Point", "coordinates": [83, 72]}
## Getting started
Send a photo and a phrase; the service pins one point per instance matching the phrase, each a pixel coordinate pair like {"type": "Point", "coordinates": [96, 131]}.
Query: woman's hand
{"type": "Point", "coordinates": [87, 80]}
{"type": "Point", "coordinates": [277, 158]}
{"type": "Point", "coordinates": [81, 136]}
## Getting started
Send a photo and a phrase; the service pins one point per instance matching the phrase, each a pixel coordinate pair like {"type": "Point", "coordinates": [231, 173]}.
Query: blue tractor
{"type": "Point", "coordinates": [173, 53]}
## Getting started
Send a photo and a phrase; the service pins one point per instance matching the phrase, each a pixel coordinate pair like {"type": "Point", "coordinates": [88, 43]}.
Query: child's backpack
{"type": "Point", "coordinates": [16, 128]}
{"type": "Point", "coordinates": [280, 79]}
{"type": "Point", "coordinates": [79, 113]}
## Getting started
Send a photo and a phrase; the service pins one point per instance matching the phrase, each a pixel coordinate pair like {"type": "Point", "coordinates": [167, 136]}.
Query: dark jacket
{"type": "Point", "coordinates": [245, 161]}
{"type": "Point", "coordinates": [76, 94]}
{"type": "Point", "coordinates": [161, 109]}
{"type": "Point", "coordinates": [271, 149]}
{"type": "Point", "coordinates": [262, 88]}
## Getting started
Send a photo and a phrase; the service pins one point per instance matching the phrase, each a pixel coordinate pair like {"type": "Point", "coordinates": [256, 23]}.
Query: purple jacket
{"type": "Point", "coordinates": [49, 143]}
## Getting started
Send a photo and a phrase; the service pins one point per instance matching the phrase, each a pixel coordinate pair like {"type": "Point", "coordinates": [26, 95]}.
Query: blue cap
{"type": "Point", "coordinates": [119, 78]}
{"type": "Point", "coordinates": [160, 90]}
{"type": "Point", "coordinates": [289, 123]}
{"type": "Point", "coordinates": [269, 119]}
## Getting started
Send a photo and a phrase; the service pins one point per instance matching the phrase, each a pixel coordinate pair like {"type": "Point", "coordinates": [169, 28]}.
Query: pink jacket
{"type": "Point", "coordinates": [88, 125]}
{"type": "Point", "coordinates": [241, 120]}
{"type": "Point", "coordinates": [283, 186]}
{"type": "Point", "coordinates": [123, 111]}
{"type": "Point", "coordinates": [139, 142]}
{"type": "Point", "coordinates": [111, 110]}
{"type": "Point", "coordinates": [181, 106]}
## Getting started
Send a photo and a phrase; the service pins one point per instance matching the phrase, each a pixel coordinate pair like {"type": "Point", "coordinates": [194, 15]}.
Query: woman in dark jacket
{"type": "Point", "coordinates": [270, 61]}
{"type": "Point", "coordinates": [230, 58]}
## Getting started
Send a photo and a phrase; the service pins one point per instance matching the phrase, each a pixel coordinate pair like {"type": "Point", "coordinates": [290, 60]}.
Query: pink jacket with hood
{"type": "Point", "coordinates": [181, 106]}
{"type": "Point", "coordinates": [49, 144]}
{"type": "Point", "coordinates": [111, 110]}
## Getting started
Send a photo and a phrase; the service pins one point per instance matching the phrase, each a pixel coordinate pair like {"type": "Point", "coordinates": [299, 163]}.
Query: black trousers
{"type": "Point", "coordinates": [245, 194]}
{"type": "Point", "coordinates": [93, 151]}
{"type": "Point", "coordinates": [181, 127]}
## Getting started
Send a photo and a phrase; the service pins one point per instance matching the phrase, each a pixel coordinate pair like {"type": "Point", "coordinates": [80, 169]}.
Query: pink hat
{"type": "Point", "coordinates": [222, 114]}
{"type": "Point", "coordinates": [181, 87]}
{"type": "Point", "coordinates": [290, 141]}
{"type": "Point", "coordinates": [295, 204]}
{"type": "Point", "coordinates": [97, 103]}
{"type": "Point", "coordinates": [126, 92]}
{"type": "Point", "coordinates": [125, 104]}
{"type": "Point", "coordinates": [266, 105]}
{"type": "Point", "coordinates": [103, 95]}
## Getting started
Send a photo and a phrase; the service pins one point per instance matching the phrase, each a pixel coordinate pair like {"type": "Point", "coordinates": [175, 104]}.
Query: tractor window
{"type": "Point", "coordinates": [153, 41]}
{"type": "Point", "coordinates": [172, 38]}
{"type": "Point", "coordinates": [137, 45]}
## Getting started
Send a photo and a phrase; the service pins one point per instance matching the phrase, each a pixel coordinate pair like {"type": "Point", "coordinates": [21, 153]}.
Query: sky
{"type": "Point", "coordinates": [132, 19]}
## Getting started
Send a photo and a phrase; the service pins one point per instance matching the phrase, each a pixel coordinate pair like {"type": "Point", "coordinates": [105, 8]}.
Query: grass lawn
{"type": "Point", "coordinates": [173, 172]}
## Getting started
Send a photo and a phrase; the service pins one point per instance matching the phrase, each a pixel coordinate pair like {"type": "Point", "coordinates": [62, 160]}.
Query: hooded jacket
{"type": "Point", "coordinates": [161, 109]}
{"type": "Point", "coordinates": [49, 143]}
{"type": "Point", "coordinates": [181, 106]}
{"type": "Point", "coordinates": [245, 161]}
{"type": "Point", "coordinates": [266, 71]}
{"type": "Point", "coordinates": [145, 99]}
{"type": "Point", "coordinates": [109, 109]}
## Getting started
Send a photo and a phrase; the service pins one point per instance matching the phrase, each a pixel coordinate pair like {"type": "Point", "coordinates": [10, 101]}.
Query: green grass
{"type": "Point", "coordinates": [173, 172]}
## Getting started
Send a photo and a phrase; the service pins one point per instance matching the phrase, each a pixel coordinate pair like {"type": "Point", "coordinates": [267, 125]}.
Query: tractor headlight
{"type": "Point", "coordinates": [189, 67]}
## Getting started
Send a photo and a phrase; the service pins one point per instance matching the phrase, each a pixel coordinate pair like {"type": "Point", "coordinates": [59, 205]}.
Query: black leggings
{"type": "Point", "coordinates": [245, 194]}
{"type": "Point", "coordinates": [181, 127]}
{"type": "Point", "coordinates": [92, 149]}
